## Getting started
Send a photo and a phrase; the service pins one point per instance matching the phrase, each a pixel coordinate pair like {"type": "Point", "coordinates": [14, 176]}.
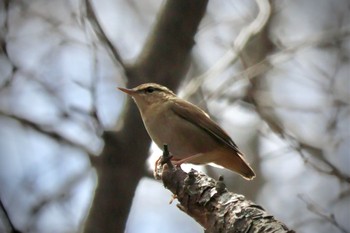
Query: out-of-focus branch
{"type": "Point", "coordinates": [212, 205]}
{"type": "Point", "coordinates": [62, 193]}
{"type": "Point", "coordinates": [255, 70]}
{"type": "Point", "coordinates": [332, 170]}
{"type": "Point", "coordinates": [233, 54]}
{"type": "Point", "coordinates": [313, 157]}
{"type": "Point", "coordinates": [165, 55]}
{"type": "Point", "coordinates": [47, 131]}
{"type": "Point", "coordinates": [91, 15]}
{"type": "Point", "coordinates": [329, 217]}
{"type": "Point", "coordinates": [257, 55]}
{"type": "Point", "coordinates": [8, 219]}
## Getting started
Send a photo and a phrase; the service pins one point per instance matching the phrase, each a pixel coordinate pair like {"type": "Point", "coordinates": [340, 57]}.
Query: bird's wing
{"type": "Point", "coordinates": [198, 117]}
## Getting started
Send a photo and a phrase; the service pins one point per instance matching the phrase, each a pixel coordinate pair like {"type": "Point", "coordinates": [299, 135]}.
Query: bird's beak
{"type": "Point", "coordinates": [127, 91]}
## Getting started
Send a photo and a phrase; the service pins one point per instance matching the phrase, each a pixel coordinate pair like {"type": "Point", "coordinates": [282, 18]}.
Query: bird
{"type": "Point", "coordinates": [191, 135]}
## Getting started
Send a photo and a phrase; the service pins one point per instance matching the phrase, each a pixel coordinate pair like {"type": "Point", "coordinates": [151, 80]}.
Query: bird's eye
{"type": "Point", "coordinates": [149, 90]}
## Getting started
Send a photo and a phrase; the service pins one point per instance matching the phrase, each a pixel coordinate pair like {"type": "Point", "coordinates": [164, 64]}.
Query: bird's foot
{"type": "Point", "coordinates": [158, 165]}
{"type": "Point", "coordinates": [173, 197]}
{"type": "Point", "coordinates": [194, 159]}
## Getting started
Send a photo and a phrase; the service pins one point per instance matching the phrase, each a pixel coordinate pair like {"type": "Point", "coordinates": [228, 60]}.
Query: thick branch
{"type": "Point", "coordinates": [213, 206]}
{"type": "Point", "coordinates": [165, 56]}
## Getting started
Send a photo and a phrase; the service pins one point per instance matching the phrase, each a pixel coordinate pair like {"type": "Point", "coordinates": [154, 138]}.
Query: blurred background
{"type": "Point", "coordinates": [74, 156]}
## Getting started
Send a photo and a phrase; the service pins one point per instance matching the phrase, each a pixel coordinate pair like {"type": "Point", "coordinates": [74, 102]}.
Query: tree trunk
{"type": "Point", "coordinates": [165, 59]}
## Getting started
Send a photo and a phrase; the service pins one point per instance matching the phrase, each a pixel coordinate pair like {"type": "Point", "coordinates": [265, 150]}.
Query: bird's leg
{"type": "Point", "coordinates": [158, 165]}
{"type": "Point", "coordinates": [194, 159]}
{"type": "Point", "coordinates": [175, 162]}
{"type": "Point", "coordinates": [163, 161]}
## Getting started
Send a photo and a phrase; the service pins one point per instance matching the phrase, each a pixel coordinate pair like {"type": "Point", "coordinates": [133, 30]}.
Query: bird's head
{"type": "Point", "coordinates": [149, 94]}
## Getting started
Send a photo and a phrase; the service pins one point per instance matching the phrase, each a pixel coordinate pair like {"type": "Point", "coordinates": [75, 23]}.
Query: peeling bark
{"type": "Point", "coordinates": [213, 206]}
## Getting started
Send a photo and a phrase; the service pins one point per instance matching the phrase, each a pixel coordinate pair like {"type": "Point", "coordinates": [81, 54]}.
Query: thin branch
{"type": "Point", "coordinates": [255, 70]}
{"type": "Point", "coordinates": [332, 169]}
{"type": "Point", "coordinates": [246, 74]}
{"type": "Point", "coordinates": [281, 56]}
{"type": "Point", "coordinates": [44, 130]}
{"type": "Point", "coordinates": [8, 219]}
{"type": "Point", "coordinates": [232, 55]}
{"type": "Point", "coordinates": [61, 194]}
{"type": "Point", "coordinates": [314, 208]}
{"type": "Point", "coordinates": [304, 149]}
{"type": "Point", "coordinates": [91, 15]}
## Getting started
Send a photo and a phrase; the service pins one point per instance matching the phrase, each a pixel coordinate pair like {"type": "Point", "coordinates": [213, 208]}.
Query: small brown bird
{"type": "Point", "coordinates": [191, 136]}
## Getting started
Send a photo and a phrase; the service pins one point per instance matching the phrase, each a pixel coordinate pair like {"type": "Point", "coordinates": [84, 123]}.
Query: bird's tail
{"type": "Point", "coordinates": [235, 162]}
{"type": "Point", "coordinates": [226, 158]}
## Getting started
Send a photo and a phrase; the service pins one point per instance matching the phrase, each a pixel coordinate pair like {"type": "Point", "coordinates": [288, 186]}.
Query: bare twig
{"type": "Point", "coordinates": [318, 155]}
{"type": "Point", "coordinates": [232, 55]}
{"type": "Point", "coordinates": [332, 169]}
{"type": "Point", "coordinates": [91, 15]}
{"type": "Point", "coordinates": [253, 71]}
{"type": "Point", "coordinates": [319, 211]}
{"type": "Point", "coordinates": [249, 73]}
{"type": "Point", "coordinates": [60, 195]}
{"type": "Point", "coordinates": [8, 219]}
{"type": "Point", "coordinates": [48, 132]}
{"type": "Point", "coordinates": [272, 60]}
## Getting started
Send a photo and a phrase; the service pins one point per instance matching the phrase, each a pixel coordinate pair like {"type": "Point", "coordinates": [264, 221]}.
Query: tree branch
{"type": "Point", "coordinates": [322, 213]}
{"type": "Point", "coordinates": [212, 205]}
{"type": "Point", "coordinates": [166, 54]}
{"type": "Point", "coordinates": [239, 46]}
{"type": "Point", "coordinates": [8, 219]}
{"type": "Point", "coordinates": [49, 132]}
{"type": "Point", "coordinates": [312, 160]}
{"type": "Point", "coordinates": [91, 15]}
